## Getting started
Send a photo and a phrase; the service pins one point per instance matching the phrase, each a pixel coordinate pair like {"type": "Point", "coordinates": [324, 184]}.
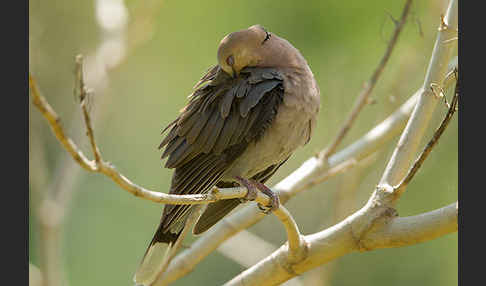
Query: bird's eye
{"type": "Point", "coordinates": [267, 37]}
{"type": "Point", "coordinates": [230, 60]}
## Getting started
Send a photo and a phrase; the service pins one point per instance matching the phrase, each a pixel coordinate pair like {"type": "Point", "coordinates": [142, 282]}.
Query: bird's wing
{"type": "Point", "coordinates": [223, 116]}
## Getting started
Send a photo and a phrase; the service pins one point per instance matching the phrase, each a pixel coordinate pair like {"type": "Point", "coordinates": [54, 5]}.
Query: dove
{"type": "Point", "coordinates": [244, 119]}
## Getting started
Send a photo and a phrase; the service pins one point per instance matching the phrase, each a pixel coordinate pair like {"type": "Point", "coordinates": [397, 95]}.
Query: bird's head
{"type": "Point", "coordinates": [253, 47]}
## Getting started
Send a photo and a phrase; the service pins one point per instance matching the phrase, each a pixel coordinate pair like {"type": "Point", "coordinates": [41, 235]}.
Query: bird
{"type": "Point", "coordinates": [244, 119]}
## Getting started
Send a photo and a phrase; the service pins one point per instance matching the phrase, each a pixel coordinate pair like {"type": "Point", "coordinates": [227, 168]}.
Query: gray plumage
{"type": "Point", "coordinates": [245, 118]}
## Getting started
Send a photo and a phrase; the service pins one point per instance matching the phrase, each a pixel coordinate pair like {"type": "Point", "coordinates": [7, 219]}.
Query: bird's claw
{"type": "Point", "coordinates": [251, 195]}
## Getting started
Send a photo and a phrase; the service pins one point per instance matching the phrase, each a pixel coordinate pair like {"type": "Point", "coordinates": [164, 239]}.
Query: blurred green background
{"type": "Point", "coordinates": [169, 45]}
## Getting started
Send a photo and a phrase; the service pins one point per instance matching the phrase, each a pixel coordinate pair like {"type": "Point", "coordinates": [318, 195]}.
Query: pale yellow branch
{"type": "Point", "coordinates": [296, 243]}
{"type": "Point", "coordinates": [342, 239]}
{"type": "Point", "coordinates": [409, 141]}
{"type": "Point", "coordinates": [403, 231]}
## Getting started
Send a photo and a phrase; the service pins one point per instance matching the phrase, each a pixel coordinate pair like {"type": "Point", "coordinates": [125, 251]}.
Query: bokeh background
{"type": "Point", "coordinates": [142, 59]}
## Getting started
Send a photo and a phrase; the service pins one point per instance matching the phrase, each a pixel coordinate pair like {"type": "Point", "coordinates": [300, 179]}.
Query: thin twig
{"type": "Point", "coordinates": [55, 123]}
{"type": "Point", "coordinates": [365, 93]}
{"type": "Point", "coordinates": [428, 148]}
{"type": "Point", "coordinates": [83, 99]}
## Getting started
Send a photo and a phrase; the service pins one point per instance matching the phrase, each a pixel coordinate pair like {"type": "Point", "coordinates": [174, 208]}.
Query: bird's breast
{"type": "Point", "coordinates": [289, 130]}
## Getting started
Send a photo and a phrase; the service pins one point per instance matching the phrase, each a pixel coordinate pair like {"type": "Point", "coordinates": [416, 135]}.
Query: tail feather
{"type": "Point", "coordinates": [153, 261]}
{"type": "Point", "coordinates": [155, 257]}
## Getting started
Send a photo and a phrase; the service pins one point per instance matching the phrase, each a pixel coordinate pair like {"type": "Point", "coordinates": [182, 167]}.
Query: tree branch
{"type": "Point", "coordinates": [343, 238]}
{"type": "Point", "coordinates": [416, 126]}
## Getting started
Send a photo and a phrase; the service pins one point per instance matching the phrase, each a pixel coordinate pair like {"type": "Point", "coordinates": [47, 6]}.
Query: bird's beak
{"type": "Point", "coordinates": [234, 74]}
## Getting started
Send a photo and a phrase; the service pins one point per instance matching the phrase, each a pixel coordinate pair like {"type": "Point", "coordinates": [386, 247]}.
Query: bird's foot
{"type": "Point", "coordinates": [274, 199]}
{"type": "Point", "coordinates": [251, 186]}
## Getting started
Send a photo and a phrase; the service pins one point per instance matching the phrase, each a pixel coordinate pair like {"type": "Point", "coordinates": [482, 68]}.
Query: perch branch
{"type": "Point", "coordinates": [363, 97]}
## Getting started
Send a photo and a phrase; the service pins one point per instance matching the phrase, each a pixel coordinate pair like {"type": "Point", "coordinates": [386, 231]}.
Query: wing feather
{"type": "Point", "coordinates": [221, 119]}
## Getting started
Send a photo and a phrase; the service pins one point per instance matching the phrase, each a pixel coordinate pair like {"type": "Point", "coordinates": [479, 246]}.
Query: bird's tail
{"type": "Point", "coordinates": [155, 258]}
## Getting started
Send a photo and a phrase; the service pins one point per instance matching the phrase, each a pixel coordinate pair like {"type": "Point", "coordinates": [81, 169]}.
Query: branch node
{"type": "Point", "coordinates": [395, 21]}
{"type": "Point", "coordinates": [443, 26]}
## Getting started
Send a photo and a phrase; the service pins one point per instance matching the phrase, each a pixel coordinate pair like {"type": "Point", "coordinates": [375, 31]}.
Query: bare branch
{"type": "Point", "coordinates": [54, 121]}
{"type": "Point", "coordinates": [409, 141]}
{"type": "Point", "coordinates": [365, 93]}
{"type": "Point", "coordinates": [343, 204]}
{"type": "Point", "coordinates": [83, 99]}
{"type": "Point", "coordinates": [404, 231]}
{"type": "Point", "coordinates": [345, 238]}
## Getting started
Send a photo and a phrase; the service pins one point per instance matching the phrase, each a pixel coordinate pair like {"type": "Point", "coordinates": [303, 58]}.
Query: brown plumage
{"type": "Point", "coordinates": [245, 118]}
